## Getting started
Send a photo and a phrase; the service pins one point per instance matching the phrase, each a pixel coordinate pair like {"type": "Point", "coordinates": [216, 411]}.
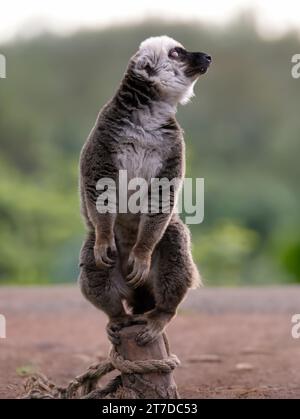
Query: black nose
{"type": "Point", "coordinates": [202, 58]}
{"type": "Point", "coordinates": [208, 58]}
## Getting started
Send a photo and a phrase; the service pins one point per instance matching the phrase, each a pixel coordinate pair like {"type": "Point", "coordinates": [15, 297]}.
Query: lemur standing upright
{"type": "Point", "coordinates": [142, 259]}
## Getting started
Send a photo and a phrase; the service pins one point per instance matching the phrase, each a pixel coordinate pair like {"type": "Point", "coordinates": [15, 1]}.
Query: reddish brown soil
{"type": "Point", "coordinates": [55, 331]}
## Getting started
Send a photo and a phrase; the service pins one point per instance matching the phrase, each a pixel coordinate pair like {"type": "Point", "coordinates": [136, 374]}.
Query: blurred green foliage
{"type": "Point", "coordinates": [242, 134]}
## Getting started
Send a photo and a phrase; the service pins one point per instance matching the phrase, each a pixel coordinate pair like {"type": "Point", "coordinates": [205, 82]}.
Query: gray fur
{"type": "Point", "coordinates": [143, 260]}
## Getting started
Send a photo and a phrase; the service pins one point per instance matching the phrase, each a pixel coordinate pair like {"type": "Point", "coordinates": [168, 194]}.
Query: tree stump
{"type": "Point", "coordinates": [158, 385]}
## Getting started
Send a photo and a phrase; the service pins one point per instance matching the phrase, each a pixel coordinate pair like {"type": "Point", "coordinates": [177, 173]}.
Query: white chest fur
{"type": "Point", "coordinates": [141, 155]}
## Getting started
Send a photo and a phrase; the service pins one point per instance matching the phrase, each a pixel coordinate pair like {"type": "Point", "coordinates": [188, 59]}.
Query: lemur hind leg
{"type": "Point", "coordinates": [104, 288]}
{"type": "Point", "coordinates": [176, 273]}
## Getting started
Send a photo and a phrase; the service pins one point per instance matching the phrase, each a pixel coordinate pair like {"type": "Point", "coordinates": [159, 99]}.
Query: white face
{"type": "Point", "coordinates": [174, 70]}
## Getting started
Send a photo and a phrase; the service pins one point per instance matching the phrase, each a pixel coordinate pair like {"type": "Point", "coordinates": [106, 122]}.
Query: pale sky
{"type": "Point", "coordinates": [28, 17]}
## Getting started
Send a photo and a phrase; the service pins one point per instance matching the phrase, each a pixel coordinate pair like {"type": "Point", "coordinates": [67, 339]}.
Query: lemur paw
{"type": "Point", "coordinates": [105, 254]}
{"type": "Point", "coordinates": [140, 268]}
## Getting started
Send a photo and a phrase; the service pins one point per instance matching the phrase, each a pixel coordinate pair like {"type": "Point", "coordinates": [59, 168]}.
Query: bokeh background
{"type": "Point", "coordinates": [242, 130]}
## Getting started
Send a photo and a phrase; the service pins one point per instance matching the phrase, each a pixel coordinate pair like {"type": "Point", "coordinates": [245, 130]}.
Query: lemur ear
{"type": "Point", "coordinates": [145, 63]}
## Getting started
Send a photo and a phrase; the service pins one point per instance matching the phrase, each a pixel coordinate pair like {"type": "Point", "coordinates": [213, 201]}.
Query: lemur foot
{"type": "Point", "coordinates": [149, 334]}
{"type": "Point", "coordinates": [156, 323]}
{"type": "Point", "coordinates": [115, 325]}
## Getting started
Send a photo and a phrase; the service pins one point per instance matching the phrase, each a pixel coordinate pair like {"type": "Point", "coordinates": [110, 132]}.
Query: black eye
{"type": "Point", "coordinates": [173, 53]}
{"type": "Point", "coordinates": [177, 52]}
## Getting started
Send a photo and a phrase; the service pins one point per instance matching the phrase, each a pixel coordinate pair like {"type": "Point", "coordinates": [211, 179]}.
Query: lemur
{"type": "Point", "coordinates": [137, 268]}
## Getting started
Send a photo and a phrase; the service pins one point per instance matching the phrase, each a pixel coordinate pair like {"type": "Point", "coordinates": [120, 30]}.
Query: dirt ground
{"type": "Point", "coordinates": [233, 343]}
